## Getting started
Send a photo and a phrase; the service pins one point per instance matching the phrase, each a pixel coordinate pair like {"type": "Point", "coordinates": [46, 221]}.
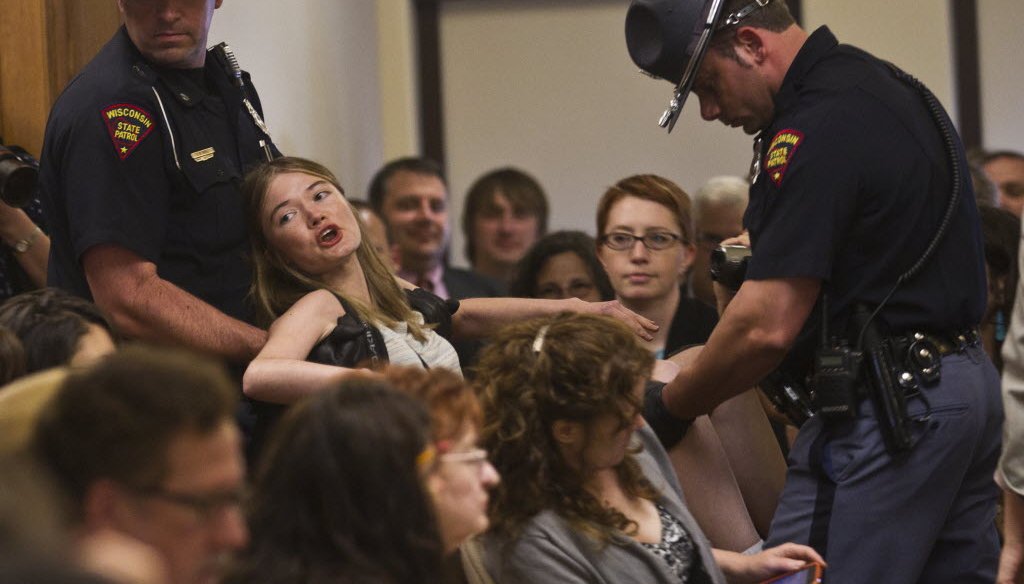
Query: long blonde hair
{"type": "Point", "coordinates": [277, 285]}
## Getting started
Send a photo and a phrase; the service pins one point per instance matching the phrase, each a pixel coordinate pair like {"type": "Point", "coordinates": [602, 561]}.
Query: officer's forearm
{"type": "Point", "coordinates": [162, 312]}
{"type": "Point", "coordinates": [144, 306]}
{"type": "Point", "coordinates": [754, 334]}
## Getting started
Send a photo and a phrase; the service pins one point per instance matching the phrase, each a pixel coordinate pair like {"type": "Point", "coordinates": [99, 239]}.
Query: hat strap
{"type": "Point", "coordinates": [736, 17]}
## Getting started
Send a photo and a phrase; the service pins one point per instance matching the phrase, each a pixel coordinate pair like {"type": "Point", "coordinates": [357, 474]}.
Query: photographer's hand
{"type": "Point", "coordinates": [741, 239]}
{"type": "Point", "coordinates": [723, 294]}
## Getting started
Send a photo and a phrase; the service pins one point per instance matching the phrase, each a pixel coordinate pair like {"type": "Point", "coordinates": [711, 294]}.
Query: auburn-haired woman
{"type": "Point", "coordinates": [645, 242]}
{"type": "Point", "coordinates": [341, 494]}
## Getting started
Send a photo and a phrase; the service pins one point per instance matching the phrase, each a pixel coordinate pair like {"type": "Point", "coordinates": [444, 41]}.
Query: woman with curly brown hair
{"type": "Point", "coordinates": [588, 493]}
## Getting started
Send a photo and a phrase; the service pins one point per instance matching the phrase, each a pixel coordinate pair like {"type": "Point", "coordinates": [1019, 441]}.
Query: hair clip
{"type": "Point", "coordinates": [538, 341]}
{"type": "Point", "coordinates": [425, 459]}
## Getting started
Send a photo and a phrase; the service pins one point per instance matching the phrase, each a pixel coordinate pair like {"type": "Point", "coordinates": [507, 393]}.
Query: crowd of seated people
{"type": "Point", "coordinates": [372, 459]}
{"type": "Point", "coordinates": [313, 404]}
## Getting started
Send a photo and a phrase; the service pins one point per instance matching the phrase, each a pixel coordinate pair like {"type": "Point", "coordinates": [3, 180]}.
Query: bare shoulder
{"type": "Point", "coordinates": [319, 305]}
{"type": "Point", "coordinates": [295, 332]}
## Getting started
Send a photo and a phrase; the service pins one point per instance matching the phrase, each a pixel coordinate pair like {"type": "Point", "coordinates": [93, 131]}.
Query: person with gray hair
{"type": "Point", "coordinates": [1005, 168]}
{"type": "Point", "coordinates": [718, 207]}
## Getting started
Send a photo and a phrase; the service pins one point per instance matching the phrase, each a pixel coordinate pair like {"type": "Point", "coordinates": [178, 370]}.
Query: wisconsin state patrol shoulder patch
{"type": "Point", "coordinates": [780, 152]}
{"type": "Point", "coordinates": [128, 125]}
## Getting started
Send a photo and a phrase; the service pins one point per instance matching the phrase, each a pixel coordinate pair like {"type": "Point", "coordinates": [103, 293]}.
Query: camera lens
{"type": "Point", "coordinates": [17, 179]}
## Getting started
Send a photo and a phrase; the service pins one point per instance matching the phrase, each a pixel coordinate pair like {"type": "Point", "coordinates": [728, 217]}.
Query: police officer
{"type": "Point", "coordinates": [143, 155]}
{"type": "Point", "coordinates": [855, 176]}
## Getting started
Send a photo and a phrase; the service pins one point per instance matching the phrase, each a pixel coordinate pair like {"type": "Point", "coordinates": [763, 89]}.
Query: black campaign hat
{"type": "Point", "coordinates": [661, 35]}
{"type": "Point", "coordinates": [669, 38]}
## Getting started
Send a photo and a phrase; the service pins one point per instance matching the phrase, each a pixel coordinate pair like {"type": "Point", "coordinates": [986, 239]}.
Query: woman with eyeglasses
{"type": "Point", "coordinates": [588, 494]}
{"type": "Point", "coordinates": [341, 495]}
{"type": "Point", "coordinates": [645, 243]}
{"type": "Point", "coordinates": [462, 476]}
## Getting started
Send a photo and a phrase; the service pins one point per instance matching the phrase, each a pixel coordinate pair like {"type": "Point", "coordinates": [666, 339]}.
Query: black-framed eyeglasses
{"type": "Point", "coordinates": [205, 506]}
{"type": "Point", "coordinates": [655, 241]}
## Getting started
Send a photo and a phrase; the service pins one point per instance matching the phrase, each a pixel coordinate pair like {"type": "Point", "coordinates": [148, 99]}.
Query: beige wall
{"type": "Point", "coordinates": [547, 85]}
{"type": "Point", "coordinates": [1001, 44]}
{"type": "Point", "coordinates": [913, 35]}
{"type": "Point", "coordinates": [315, 64]}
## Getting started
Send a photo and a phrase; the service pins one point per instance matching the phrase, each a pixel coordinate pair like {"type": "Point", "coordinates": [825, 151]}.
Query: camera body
{"type": "Point", "coordinates": [19, 173]}
{"type": "Point", "coordinates": [729, 265]}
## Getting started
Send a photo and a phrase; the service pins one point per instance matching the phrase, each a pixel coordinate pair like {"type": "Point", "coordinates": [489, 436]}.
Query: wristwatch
{"type": "Point", "coordinates": [23, 245]}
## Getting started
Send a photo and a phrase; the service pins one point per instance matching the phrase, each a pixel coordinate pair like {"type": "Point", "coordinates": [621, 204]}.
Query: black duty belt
{"type": "Point", "coordinates": [944, 343]}
{"type": "Point", "coordinates": [916, 354]}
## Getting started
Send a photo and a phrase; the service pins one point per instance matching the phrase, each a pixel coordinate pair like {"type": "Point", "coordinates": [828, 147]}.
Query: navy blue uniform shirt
{"type": "Point", "coordinates": [854, 182]}
{"type": "Point", "coordinates": [151, 160]}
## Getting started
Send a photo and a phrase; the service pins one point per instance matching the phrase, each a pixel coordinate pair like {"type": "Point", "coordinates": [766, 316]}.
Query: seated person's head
{"type": "Point", "coordinates": [411, 195]}
{"type": "Point", "coordinates": [563, 264]}
{"type": "Point", "coordinates": [12, 356]}
{"type": "Point", "coordinates": [718, 208]}
{"type": "Point", "coordinates": [462, 476]}
{"type": "Point", "coordinates": [56, 328]}
{"type": "Point", "coordinates": [984, 189]}
{"type": "Point", "coordinates": [561, 399]}
{"type": "Point", "coordinates": [1000, 231]}
{"type": "Point", "coordinates": [340, 496]}
{"type": "Point", "coordinates": [658, 209]}
{"type": "Point", "coordinates": [376, 231]}
{"type": "Point", "coordinates": [304, 234]}
{"type": "Point", "coordinates": [505, 212]}
{"type": "Point", "coordinates": [144, 443]}
{"type": "Point", "coordinates": [1005, 168]}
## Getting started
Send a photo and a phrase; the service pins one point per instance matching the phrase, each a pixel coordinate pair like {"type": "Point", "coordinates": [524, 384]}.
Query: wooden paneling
{"type": "Point", "coordinates": [24, 84]}
{"type": "Point", "coordinates": [43, 43]}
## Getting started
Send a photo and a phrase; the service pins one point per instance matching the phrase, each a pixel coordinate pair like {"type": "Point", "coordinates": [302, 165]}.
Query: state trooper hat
{"type": "Point", "coordinates": [669, 38]}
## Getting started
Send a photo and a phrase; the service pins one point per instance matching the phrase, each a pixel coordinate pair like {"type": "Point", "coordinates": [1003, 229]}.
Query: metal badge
{"type": "Point", "coordinates": [755, 162]}
{"type": "Point", "coordinates": [203, 155]}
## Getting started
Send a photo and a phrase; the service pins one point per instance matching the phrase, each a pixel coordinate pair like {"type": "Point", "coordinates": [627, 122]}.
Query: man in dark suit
{"type": "Point", "coordinates": [411, 195]}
